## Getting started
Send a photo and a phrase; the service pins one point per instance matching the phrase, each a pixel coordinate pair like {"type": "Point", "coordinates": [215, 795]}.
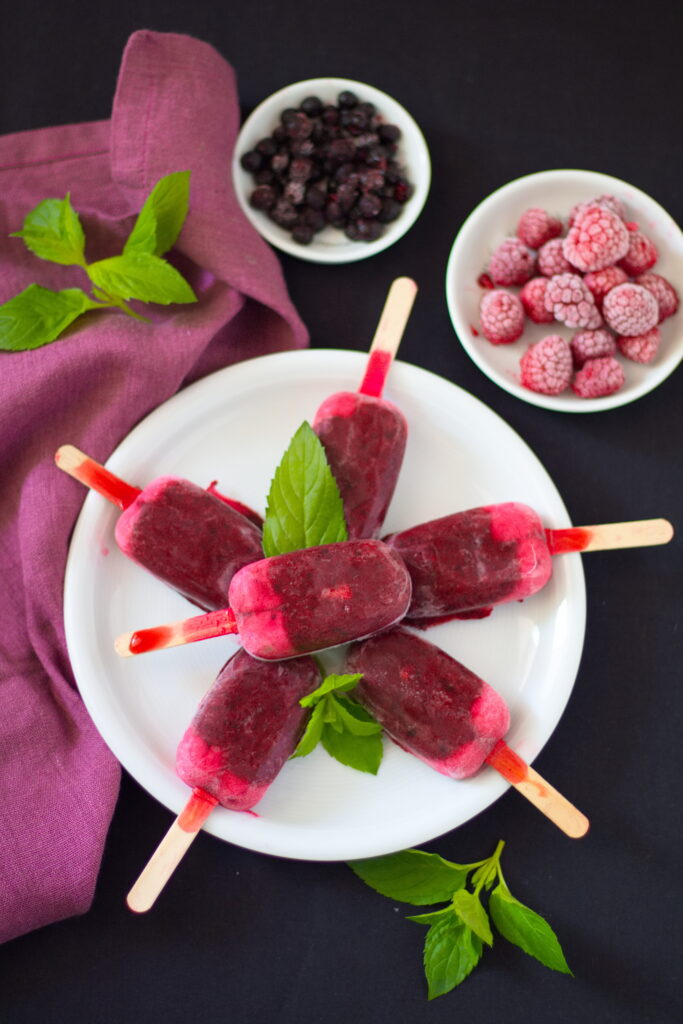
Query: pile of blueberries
{"type": "Point", "coordinates": [329, 165]}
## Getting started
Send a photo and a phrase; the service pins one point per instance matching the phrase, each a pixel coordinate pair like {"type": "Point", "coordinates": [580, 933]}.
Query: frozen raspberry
{"type": "Point", "coordinates": [592, 344]}
{"type": "Point", "coordinates": [533, 300]}
{"type": "Point", "coordinates": [511, 263]}
{"type": "Point", "coordinates": [641, 348]}
{"type": "Point", "coordinates": [547, 366]}
{"type": "Point", "coordinates": [536, 227]}
{"type": "Point", "coordinates": [501, 316]}
{"type": "Point", "coordinates": [598, 377]}
{"type": "Point", "coordinates": [551, 259]}
{"type": "Point", "coordinates": [664, 292]}
{"type": "Point", "coordinates": [601, 281]}
{"type": "Point", "coordinates": [611, 202]}
{"type": "Point", "coordinates": [570, 302]}
{"type": "Point", "coordinates": [642, 253]}
{"type": "Point", "coordinates": [597, 239]}
{"type": "Point", "coordinates": [630, 309]}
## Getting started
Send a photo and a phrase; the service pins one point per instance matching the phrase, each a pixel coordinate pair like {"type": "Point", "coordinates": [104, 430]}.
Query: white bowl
{"type": "Point", "coordinates": [495, 219]}
{"type": "Point", "coordinates": [331, 245]}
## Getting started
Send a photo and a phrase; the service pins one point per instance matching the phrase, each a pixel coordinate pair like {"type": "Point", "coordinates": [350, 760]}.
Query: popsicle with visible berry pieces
{"type": "Point", "coordinates": [364, 435]}
{"type": "Point", "coordinates": [193, 539]}
{"type": "Point", "coordinates": [298, 603]}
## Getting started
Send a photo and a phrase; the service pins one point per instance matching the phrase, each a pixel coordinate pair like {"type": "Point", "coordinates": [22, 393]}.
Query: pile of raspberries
{"type": "Point", "coordinates": [596, 280]}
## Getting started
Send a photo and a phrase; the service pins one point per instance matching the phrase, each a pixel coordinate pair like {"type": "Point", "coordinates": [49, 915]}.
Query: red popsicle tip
{"type": "Point", "coordinates": [376, 372]}
{"type": "Point", "coordinates": [84, 469]}
{"type": "Point", "coordinates": [510, 765]}
{"type": "Point", "coordinates": [562, 542]}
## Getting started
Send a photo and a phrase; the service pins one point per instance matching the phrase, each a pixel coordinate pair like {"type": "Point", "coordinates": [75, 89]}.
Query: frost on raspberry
{"type": "Point", "coordinates": [501, 316]}
{"type": "Point", "coordinates": [533, 300]}
{"type": "Point", "coordinates": [511, 263]}
{"type": "Point", "coordinates": [551, 259]}
{"type": "Point", "coordinates": [641, 348]}
{"type": "Point", "coordinates": [546, 367]}
{"type": "Point", "coordinates": [641, 255]}
{"type": "Point", "coordinates": [592, 344]}
{"type": "Point", "coordinates": [598, 378]}
{"type": "Point", "coordinates": [664, 292]}
{"type": "Point", "coordinates": [598, 238]}
{"type": "Point", "coordinates": [630, 309]}
{"type": "Point", "coordinates": [571, 302]}
{"type": "Point", "coordinates": [610, 202]}
{"type": "Point", "coordinates": [536, 226]}
{"type": "Point", "coordinates": [601, 281]}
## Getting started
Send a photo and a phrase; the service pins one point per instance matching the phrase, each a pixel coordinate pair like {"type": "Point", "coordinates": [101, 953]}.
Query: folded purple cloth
{"type": "Point", "coordinates": [175, 109]}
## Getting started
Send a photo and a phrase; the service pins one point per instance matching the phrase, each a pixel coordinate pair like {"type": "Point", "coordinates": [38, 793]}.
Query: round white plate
{"type": "Point", "coordinates": [496, 218]}
{"type": "Point", "coordinates": [331, 245]}
{"type": "Point", "coordinates": [234, 427]}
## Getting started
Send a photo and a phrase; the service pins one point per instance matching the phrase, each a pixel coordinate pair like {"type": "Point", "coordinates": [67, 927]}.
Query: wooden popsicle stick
{"type": "Point", "coordinates": [170, 851]}
{"type": "Point", "coordinates": [84, 469]}
{"type": "Point", "coordinates": [174, 634]}
{"type": "Point", "coordinates": [537, 791]}
{"type": "Point", "coordinates": [388, 334]}
{"type": "Point", "coordinates": [639, 533]}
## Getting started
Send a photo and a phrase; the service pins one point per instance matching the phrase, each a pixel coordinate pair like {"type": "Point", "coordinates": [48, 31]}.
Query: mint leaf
{"type": "Point", "coordinates": [141, 276]}
{"type": "Point", "coordinates": [343, 683]}
{"type": "Point", "coordinates": [470, 911]}
{"type": "Point", "coordinates": [412, 876]}
{"type": "Point", "coordinates": [304, 505]}
{"type": "Point", "coordinates": [364, 753]}
{"type": "Point", "coordinates": [312, 733]}
{"type": "Point", "coordinates": [526, 929]}
{"type": "Point", "coordinates": [430, 918]}
{"type": "Point", "coordinates": [355, 719]}
{"type": "Point", "coordinates": [162, 216]}
{"type": "Point", "coordinates": [53, 231]}
{"type": "Point", "coordinates": [451, 953]}
{"type": "Point", "coordinates": [38, 316]}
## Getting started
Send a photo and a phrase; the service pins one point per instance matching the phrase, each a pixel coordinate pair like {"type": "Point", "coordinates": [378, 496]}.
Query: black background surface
{"type": "Point", "coordinates": [500, 90]}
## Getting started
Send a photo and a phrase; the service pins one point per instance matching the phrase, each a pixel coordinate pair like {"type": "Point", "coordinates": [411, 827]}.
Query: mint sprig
{"type": "Point", "coordinates": [53, 231]}
{"type": "Point", "coordinates": [304, 504]}
{"type": "Point", "coordinates": [345, 729]}
{"type": "Point", "coordinates": [457, 933]}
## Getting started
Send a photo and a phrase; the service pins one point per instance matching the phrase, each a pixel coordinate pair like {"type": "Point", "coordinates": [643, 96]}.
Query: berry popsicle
{"type": "Point", "coordinates": [466, 563]}
{"type": "Point", "coordinates": [298, 603]}
{"type": "Point", "coordinates": [444, 714]}
{"type": "Point", "coordinates": [192, 539]}
{"type": "Point", "coordinates": [244, 730]}
{"type": "Point", "coordinates": [364, 436]}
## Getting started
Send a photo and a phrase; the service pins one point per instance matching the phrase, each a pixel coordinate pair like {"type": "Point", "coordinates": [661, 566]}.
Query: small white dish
{"type": "Point", "coordinates": [331, 245]}
{"type": "Point", "coordinates": [459, 455]}
{"type": "Point", "coordinates": [494, 219]}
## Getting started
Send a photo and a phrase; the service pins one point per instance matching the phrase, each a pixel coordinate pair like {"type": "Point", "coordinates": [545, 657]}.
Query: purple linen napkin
{"type": "Point", "coordinates": [175, 109]}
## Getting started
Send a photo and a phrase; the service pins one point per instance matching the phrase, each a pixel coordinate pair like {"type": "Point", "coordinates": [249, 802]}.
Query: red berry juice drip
{"type": "Point", "coordinates": [562, 542]}
{"type": "Point", "coordinates": [375, 374]}
{"type": "Point", "coordinates": [107, 484]}
{"type": "Point", "coordinates": [196, 810]}
{"type": "Point", "coordinates": [484, 281]}
{"type": "Point", "coordinates": [510, 765]}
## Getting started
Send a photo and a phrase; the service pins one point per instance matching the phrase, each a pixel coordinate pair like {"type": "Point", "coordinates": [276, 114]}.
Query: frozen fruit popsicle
{"type": "Point", "coordinates": [192, 539]}
{"type": "Point", "coordinates": [364, 436]}
{"type": "Point", "coordinates": [440, 711]}
{"type": "Point", "coordinates": [298, 603]}
{"type": "Point", "coordinates": [466, 563]}
{"type": "Point", "coordinates": [244, 730]}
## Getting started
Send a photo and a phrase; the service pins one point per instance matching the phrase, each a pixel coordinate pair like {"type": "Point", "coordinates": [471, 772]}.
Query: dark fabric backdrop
{"type": "Point", "coordinates": [500, 90]}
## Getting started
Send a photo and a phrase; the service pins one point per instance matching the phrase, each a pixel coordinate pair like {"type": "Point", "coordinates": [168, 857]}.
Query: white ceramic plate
{"type": "Point", "coordinates": [234, 426]}
{"type": "Point", "coordinates": [332, 245]}
{"type": "Point", "coordinates": [495, 219]}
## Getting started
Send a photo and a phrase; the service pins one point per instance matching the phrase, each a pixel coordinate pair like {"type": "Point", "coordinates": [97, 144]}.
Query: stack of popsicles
{"type": "Point", "coordinates": [286, 607]}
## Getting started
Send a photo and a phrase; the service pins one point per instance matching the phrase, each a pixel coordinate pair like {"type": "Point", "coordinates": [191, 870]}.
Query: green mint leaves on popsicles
{"type": "Point", "coordinates": [345, 729]}
{"type": "Point", "coordinates": [304, 504]}
{"type": "Point", "coordinates": [458, 932]}
{"type": "Point", "coordinates": [53, 231]}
